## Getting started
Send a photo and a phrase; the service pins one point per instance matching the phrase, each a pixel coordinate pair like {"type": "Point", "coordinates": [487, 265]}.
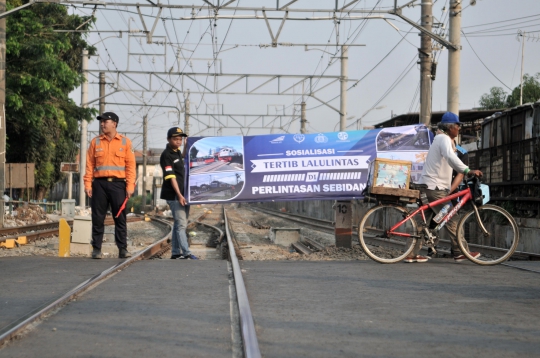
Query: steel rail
{"type": "Point", "coordinates": [36, 231]}
{"type": "Point", "coordinates": [247, 326]}
{"type": "Point", "coordinates": [13, 329]}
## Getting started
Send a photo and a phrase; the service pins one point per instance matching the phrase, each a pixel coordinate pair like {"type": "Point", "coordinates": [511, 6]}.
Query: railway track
{"type": "Point", "coordinates": [328, 226]}
{"type": "Point", "coordinates": [38, 231]}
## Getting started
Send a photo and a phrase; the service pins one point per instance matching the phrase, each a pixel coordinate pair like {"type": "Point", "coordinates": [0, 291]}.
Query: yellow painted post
{"type": "Point", "coordinates": [64, 238]}
{"type": "Point", "coordinates": [22, 240]}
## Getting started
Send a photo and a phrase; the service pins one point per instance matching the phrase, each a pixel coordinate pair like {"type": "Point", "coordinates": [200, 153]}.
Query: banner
{"type": "Point", "coordinates": [286, 167]}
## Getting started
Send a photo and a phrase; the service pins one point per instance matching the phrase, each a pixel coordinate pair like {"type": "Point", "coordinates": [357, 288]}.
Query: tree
{"type": "Point", "coordinates": [193, 153]}
{"type": "Point", "coordinates": [498, 98]}
{"type": "Point", "coordinates": [42, 68]}
{"type": "Point", "coordinates": [531, 91]}
{"type": "Point", "coordinates": [495, 99]}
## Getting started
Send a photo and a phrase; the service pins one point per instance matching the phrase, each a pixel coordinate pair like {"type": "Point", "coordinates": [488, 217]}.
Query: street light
{"type": "Point", "coordinates": [359, 120]}
{"type": "Point", "coordinates": [348, 118]}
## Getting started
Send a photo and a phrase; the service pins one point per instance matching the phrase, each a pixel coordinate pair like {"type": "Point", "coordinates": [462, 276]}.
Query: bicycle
{"type": "Point", "coordinates": [389, 232]}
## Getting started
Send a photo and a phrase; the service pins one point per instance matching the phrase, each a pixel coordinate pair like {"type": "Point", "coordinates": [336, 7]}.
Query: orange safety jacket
{"type": "Point", "coordinates": [110, 159]}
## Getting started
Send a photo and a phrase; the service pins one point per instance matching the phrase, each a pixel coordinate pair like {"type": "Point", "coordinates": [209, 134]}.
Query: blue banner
{"type": "Point", "coordinates": [286, 167]}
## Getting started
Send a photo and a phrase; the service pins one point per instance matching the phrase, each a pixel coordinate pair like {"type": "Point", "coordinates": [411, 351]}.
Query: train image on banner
{"type": "Point", "coordinates": [228, 154]}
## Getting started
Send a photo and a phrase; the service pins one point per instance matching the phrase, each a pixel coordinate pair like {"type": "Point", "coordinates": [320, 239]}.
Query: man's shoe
{"type": "Point", "coordinates": [191, 257]}
{"type": "Point", "coordinates": [416, 258]}
{"type": "Point", "coordinates": [96, 254]}
{"type": "Point", "coordinates": [124, 254]}
{"type": "Point", "coordinates": [177, 257]}
{"type": "Point", "coordinates": [461, 258]}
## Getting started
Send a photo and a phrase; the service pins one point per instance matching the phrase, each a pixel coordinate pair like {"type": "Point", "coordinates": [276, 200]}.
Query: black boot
{"type": "Point", "coordinates": [124, 254]}
{"type": "Point", "coordinates": [96, 254]}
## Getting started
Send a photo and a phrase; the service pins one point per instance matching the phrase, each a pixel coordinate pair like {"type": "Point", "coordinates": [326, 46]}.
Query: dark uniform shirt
{"type": "Point", "coordinates": [172, 166]}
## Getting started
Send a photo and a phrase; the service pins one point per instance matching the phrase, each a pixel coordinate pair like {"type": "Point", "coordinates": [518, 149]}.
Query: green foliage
{"type": "Point", "coordinates": [498, 98]}
{"type": "Point", "coordinates": [531, 91]}
{"type": "Point", "coordinates": [135, 202]}
{"type": "Point", "coordinates": [494, 100]}
{"type": "Point", "coordinates": [42, 68]}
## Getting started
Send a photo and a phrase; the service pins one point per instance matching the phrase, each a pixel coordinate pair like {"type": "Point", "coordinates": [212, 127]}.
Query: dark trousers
{"type": "Point", "coordinates": [105, 193]}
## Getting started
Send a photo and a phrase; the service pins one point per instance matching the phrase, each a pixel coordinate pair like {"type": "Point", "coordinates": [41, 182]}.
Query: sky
{"type": "Point", "coordinates": [385, 64]}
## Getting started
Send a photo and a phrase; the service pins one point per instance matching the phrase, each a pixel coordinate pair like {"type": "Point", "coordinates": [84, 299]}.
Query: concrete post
{"type": "Point", "coordinates": [84, 130]}
{"type": "Point", "coordinates": [426, 60]}
{"type": "Point", "coordinates": [101, 96]}
{"type": "Point", "coordinates": [454, 57]}
{"type": "Point", "coordinates": [343, 88]}
{"type": "Point", "coordinates": [343, 223]}
{"type": "Point", "coordinates": [186, 115]}
{"type": "Point", "coordinates": [145, 154]}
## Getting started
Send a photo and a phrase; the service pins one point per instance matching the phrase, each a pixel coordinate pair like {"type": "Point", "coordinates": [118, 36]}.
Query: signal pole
{"type": "Point", "coordinates": [454, 57]}
{"type": "Point", "coordinates": [425, 60]}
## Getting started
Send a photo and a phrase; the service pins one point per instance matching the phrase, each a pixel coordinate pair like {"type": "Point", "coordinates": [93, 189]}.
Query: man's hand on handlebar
{"type": "Point", "coordinates": [476, 173]}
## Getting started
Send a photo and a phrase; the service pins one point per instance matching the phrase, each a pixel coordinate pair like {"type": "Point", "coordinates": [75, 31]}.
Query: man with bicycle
{"type": "Point", "coordinates": [436, 180]}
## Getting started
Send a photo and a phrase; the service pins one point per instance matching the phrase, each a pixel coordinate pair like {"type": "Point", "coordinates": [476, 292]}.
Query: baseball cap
{"type": "Point", "coordinates": [450, 118]}
{"type": "Point", "coordinates": [175, 132]}
{"type": "Point", "coordinates": [108, 115]}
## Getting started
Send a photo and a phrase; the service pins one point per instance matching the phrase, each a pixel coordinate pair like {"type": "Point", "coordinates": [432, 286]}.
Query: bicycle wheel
{"type": "Point", "coordinates": [500, 241]}
{"type": "Point", "coordinates": [377, 244]}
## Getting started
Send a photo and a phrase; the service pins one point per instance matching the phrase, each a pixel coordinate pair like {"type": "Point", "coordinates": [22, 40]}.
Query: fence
{"type": "Point", "coordinates": [512, 172]}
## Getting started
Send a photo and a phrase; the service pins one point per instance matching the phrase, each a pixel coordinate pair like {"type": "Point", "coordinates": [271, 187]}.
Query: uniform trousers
{"type": "Point", "coordinates": [104, 193]}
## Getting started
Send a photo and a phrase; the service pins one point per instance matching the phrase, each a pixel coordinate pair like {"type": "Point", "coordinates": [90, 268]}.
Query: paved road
{"type": "Point", "coordinates": [155, 308]}
{"type": "Point", "coordinates": [26, 283]}
{"type": "Point", "coordinates": [352, 309]}
{"type": "Point", "coordinates": [181, 308]}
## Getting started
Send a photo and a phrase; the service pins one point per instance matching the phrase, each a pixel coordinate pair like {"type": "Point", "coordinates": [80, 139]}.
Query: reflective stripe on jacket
{"type": "Point", "coordinates": [110, 159]}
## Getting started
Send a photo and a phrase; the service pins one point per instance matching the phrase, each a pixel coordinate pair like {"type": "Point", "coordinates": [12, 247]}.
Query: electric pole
{"type": "Point", "coordinates": [84, 130]}
{"type": "Point", "coordinates": [522, 60]}
{"type": "Point", "coordinates": [343, 88]}
{"type": "Point", "coordinates": [145, 152]}
{"type": "Point", "coordinates": [2, 110]}
{"type": "Point", "coordinates": [303, 119]}
{"type": "Point", "coordinates": [101, 96]}
{"type": "Point", "coordinates": [426, 62]}
{"type": "Point", "coordinates": [454, 57]}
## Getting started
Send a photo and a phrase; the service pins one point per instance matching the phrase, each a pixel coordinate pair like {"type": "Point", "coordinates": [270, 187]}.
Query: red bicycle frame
{"type": "Point", "coordinates": [465, 196]}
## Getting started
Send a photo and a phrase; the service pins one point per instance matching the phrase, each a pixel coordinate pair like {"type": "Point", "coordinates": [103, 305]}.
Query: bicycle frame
{"type": "Point", "coordinates": [465, 196]}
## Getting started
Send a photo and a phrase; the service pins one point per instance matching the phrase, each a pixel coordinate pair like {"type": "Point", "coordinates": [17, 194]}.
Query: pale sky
{"type": "Point", "coordinates": [491, 56]}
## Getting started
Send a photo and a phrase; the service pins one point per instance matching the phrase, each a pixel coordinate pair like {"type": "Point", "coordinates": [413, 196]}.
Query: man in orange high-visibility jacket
{"type": "Point", "coordinates": [109, 179]}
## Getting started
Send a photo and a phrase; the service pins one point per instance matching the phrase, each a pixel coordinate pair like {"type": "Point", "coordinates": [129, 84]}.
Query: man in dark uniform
{"type": "Point", "coordinates": [172, 165]}
{"type": "Point", "coordinates": [109, 179]}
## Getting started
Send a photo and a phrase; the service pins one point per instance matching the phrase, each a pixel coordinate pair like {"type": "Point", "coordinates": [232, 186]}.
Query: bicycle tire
{"type": "Point", "coordinates": [498, 245]}
{"type": "Point", "coordinates": [372, 234]}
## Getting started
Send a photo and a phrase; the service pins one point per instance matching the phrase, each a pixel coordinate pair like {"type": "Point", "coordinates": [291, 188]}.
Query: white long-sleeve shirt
{"type": "Point", "coordinates": [440, 161]}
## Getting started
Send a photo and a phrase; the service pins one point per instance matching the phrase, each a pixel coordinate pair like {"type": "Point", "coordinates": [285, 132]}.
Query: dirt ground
{"type": "Point", "coordinates": [26, 215]}
{"type": "Point", "coordinates": [252, 231]}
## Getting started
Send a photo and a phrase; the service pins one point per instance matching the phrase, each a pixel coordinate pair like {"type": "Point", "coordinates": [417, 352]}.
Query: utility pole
{"type": "Point", "coordinates": [84, 130]}
{"type": "Point", "coordinates": [454, 57]}
{"type": "Point", "coordinates": [522, 60]}
{"type": "Point", "coordinates": [145, 152]}
{"type": "Point", "coordinates": [303, 119]}
{"type": "Point", "coordinates": [343, 88]}
{"type": "Point", "coordinates": [2, 109]}
{"type": "Point", "coordinates": [101, 96]}
{"type": "Point", "coordinates": [426, 62]}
